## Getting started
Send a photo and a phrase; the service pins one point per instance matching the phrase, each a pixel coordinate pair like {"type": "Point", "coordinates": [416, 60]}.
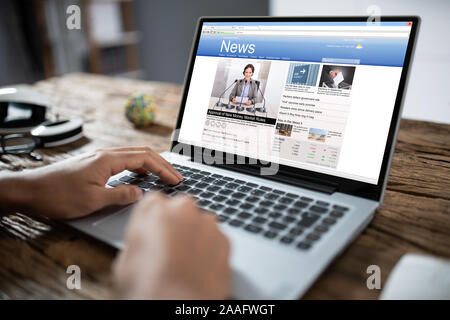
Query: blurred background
{"type": "Point", "coordinates": [151, 40]}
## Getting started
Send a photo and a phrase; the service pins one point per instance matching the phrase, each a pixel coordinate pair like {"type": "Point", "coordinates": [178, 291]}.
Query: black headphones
{"type": "Point", "coordinates": [23, 111]}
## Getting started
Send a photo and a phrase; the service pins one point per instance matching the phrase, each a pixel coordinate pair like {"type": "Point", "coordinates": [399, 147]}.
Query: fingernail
{"type": "Point", "coordinates": [139, 194]}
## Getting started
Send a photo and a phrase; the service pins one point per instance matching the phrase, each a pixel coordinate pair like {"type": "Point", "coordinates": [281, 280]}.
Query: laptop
{"type": "Point", "coordinates": [296, 174]}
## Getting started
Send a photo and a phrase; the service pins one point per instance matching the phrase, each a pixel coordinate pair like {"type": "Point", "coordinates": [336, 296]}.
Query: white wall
{"type": "Point", "coordinates": [428, 95]}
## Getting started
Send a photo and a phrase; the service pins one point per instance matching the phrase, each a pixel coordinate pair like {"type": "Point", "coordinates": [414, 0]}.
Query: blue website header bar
{"type": "Point", "coordinates": [332, 23]}
{"type": "Point", "coordinates": [364, 51]}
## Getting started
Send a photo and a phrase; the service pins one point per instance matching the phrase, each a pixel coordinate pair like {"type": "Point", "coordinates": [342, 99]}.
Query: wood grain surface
{"type": "Point", "coordinates": [35, 253]}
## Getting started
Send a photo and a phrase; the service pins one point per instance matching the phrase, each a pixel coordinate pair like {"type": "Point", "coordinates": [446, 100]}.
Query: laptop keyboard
{"type": "Point", "coordinates": [291, 219]}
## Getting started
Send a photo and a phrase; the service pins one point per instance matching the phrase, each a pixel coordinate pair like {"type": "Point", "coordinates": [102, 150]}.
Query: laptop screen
{"type": "Point", "coordinates": [312, 95]}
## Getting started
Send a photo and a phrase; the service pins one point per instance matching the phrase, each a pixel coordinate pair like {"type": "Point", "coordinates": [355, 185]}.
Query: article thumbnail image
{"type": "Point", "coordinates": [303, 74]}
{"type": "Point", "coordinates": [229, 87]}
{"type": "Point", "coordinates": [283, 129]}
{"type": "Point", "coordinates": [337, 77]}
{"type": "Point", "coordinates": [318, 135]}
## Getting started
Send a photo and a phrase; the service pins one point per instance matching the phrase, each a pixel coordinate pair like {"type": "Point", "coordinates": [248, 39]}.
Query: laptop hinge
{"type": "Point", "coordinates": [283, 177]}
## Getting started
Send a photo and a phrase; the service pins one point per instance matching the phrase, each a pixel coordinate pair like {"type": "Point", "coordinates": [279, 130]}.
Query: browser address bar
{"type": "Point", "coordinates": [326, 33]}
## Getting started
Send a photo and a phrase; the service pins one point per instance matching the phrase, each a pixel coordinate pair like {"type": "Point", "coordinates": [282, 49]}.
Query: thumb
{"type": "Point", "coordinates": [121, 195]}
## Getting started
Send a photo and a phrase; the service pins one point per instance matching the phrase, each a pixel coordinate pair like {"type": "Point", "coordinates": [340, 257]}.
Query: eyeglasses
{"type": "Point", "coordinates": [18, 144]}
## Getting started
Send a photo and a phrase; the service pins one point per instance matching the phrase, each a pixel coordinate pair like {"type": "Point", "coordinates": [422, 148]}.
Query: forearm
{"type": "Point", "coordinates": [15, 193]}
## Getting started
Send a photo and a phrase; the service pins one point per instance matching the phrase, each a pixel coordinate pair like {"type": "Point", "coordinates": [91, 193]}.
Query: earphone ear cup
{"type": "Point", "coordinates": [52, 134]}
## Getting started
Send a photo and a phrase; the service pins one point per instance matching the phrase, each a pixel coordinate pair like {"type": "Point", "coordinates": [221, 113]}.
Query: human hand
{"type": "Point", "coordinates": [76, 186]}
{"type": "Point", "coordinates": [248, 102]}
{"type": "Point", "coordinates": [334, 73]}
{"type": "Point", "coordinates": [172, 251]}
{"type": "Point", "coordinates": [234, 100]}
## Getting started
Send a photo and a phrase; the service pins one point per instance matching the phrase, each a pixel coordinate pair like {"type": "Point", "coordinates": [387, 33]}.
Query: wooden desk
{"type": "Point", "coordinates": [34, 254]}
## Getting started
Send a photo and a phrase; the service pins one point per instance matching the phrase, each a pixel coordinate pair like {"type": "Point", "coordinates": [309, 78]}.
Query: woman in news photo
{"type": "Point", "coordinates": [245, 88]}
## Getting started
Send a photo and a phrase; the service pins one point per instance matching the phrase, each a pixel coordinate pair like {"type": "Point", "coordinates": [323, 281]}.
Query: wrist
{"type": "Point", "coordinates": [15, 193]}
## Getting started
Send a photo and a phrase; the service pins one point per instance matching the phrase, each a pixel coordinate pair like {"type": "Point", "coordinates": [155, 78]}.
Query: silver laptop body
{"type": "Point", "coordinates": [283, 266]}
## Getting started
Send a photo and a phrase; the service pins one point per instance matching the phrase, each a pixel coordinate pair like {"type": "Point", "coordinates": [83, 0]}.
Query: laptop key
{"type": "Point", "coordinates": [259, 220]}
{"type": "Point", "coordinates": [230, 210]}
{"type": "Point", "coordinates": [219, 198]}
{"type": "Point", "coordinates": [252, 228]}
{"type": "Point", "coordinates": [213, 188]}
{"type": "Point", "coordinates": [236, 223]}
{"type": "Point", "coordinates": [244, 188]}
{"type": "Point", "coordinates": [204, 203]}
{"type": "Point", "coordinates": [274, 214]}
{"type": "Point", "coordinates": [246, 206]}
{"type": "Point", "coordinates": [216, 206]}
{"type": "Point", "coordinates": [306, 199]}
{"type": "Point", "coordinates": [265, 188]}
{"type": "Point", "coordinates": [227, 179]}
{"type": "Point", "coordinates": [250, 184]}
{"type": "Point", "coordinates": [303, 245]}
{"type": "Point", "coordinates": [151, 178]}
{"type": "Point", "coordinates": [244, 215]}
{"type": "Point", "coordinates": [239, 181]}
{"type": "Point", "coordinates": [182, 187]}
{"type": "Point", "coordinates": [329, 221]}
{"type": "Point", "coordinates": [202, 185]}
{"type": "Point", "coordinates": [216, 176]}
{"type": "Point", "coordinates": [270, 234]}
{"type": "Point", "coordinates": [271, 196]}
{"type": "Point", "coordinates": [296, 231]}
{"type": "Point", "coordinates": [318, 209]}
{"type": "Point", "coordinates": [266, 203]}
{"type": "Point", "coordinates": [238, 195]}
{"type": "Point", "coordinates": [251, 199]}
{"type": "Point", "coordinates": [279, 207]}
{"type": "Point", "coordinates": [231, 185]}
{"type": "Point", "coordinates": [257, 192]}
{"type": "Point", "coordinates": [195, 191]}
{"type": "Point", "coordinates": [233, 202]}
{"type": "Point", "coordinates": [144, 185]}
{"type": "Point", "coordinates": [278, 191]}
{"type": "Point", "coordinates": [322, 203]}
{"type": "Point", "coordinates": [189, 182]}
{"type": "Point", "coordinates": [197, 176]}
{"type": "Point", "coordinates": [222, 218]}
{"type": "Point", "coordinates": [340, 208]}
{"type": "Point", "coordinates": [289, 219]}
{"type": "Point", "coordinates": [286, 240]}
{"type": "Point", "coordinates": [226, 192]}
{"type": "Point", "coordinates": [135, 181]}
{"type": "Point", "coordinates": [312, 237]}
{"type": "Point", "coordinates": [285, 200]}
{"type": "Point", "coordinates": [208, 179]}
{"type": "Point", "coordinates": [291, 195]}
{"type": "Point", "coordinates": [321, 229]}
{"type": "Point", "coordinates": [126, 178]}
{"type": "Point", "coordinates": [336, 214]}
{"type": "Point", "coordinates": [300, 204]}
{"type": "Point", "coordinates": [261, 210]}
{"type": "Point", "coordinates": [156, 188]}
{"type": "Point", "coordinates": [308, 221]}
{"type": "Point", "coordinates": [114, 183]}
{"type": "Point", "coordinates": [207, 195]}
{"type": "Point", "coordinates": [277, 225]}
{"type": "Point", "coordinates": [293, 211]}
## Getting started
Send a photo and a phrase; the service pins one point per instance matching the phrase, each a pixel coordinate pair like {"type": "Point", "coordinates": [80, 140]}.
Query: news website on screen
{"type": "Point", "coordinates": [316, 96]}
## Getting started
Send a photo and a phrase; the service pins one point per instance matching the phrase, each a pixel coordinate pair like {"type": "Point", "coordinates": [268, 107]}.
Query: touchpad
{"type": "Point", "coordinates": [115, 224]}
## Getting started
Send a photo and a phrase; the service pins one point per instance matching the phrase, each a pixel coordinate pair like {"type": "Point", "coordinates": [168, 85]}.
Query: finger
{"type": "Point", "coordinates": [153, 154]}
{"type": "Point", "coordinates": [166, 164]}
{"type": "Point", "coordinates": [120, 195]}
{"type": "Point", "coordinates": [132, 160]}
